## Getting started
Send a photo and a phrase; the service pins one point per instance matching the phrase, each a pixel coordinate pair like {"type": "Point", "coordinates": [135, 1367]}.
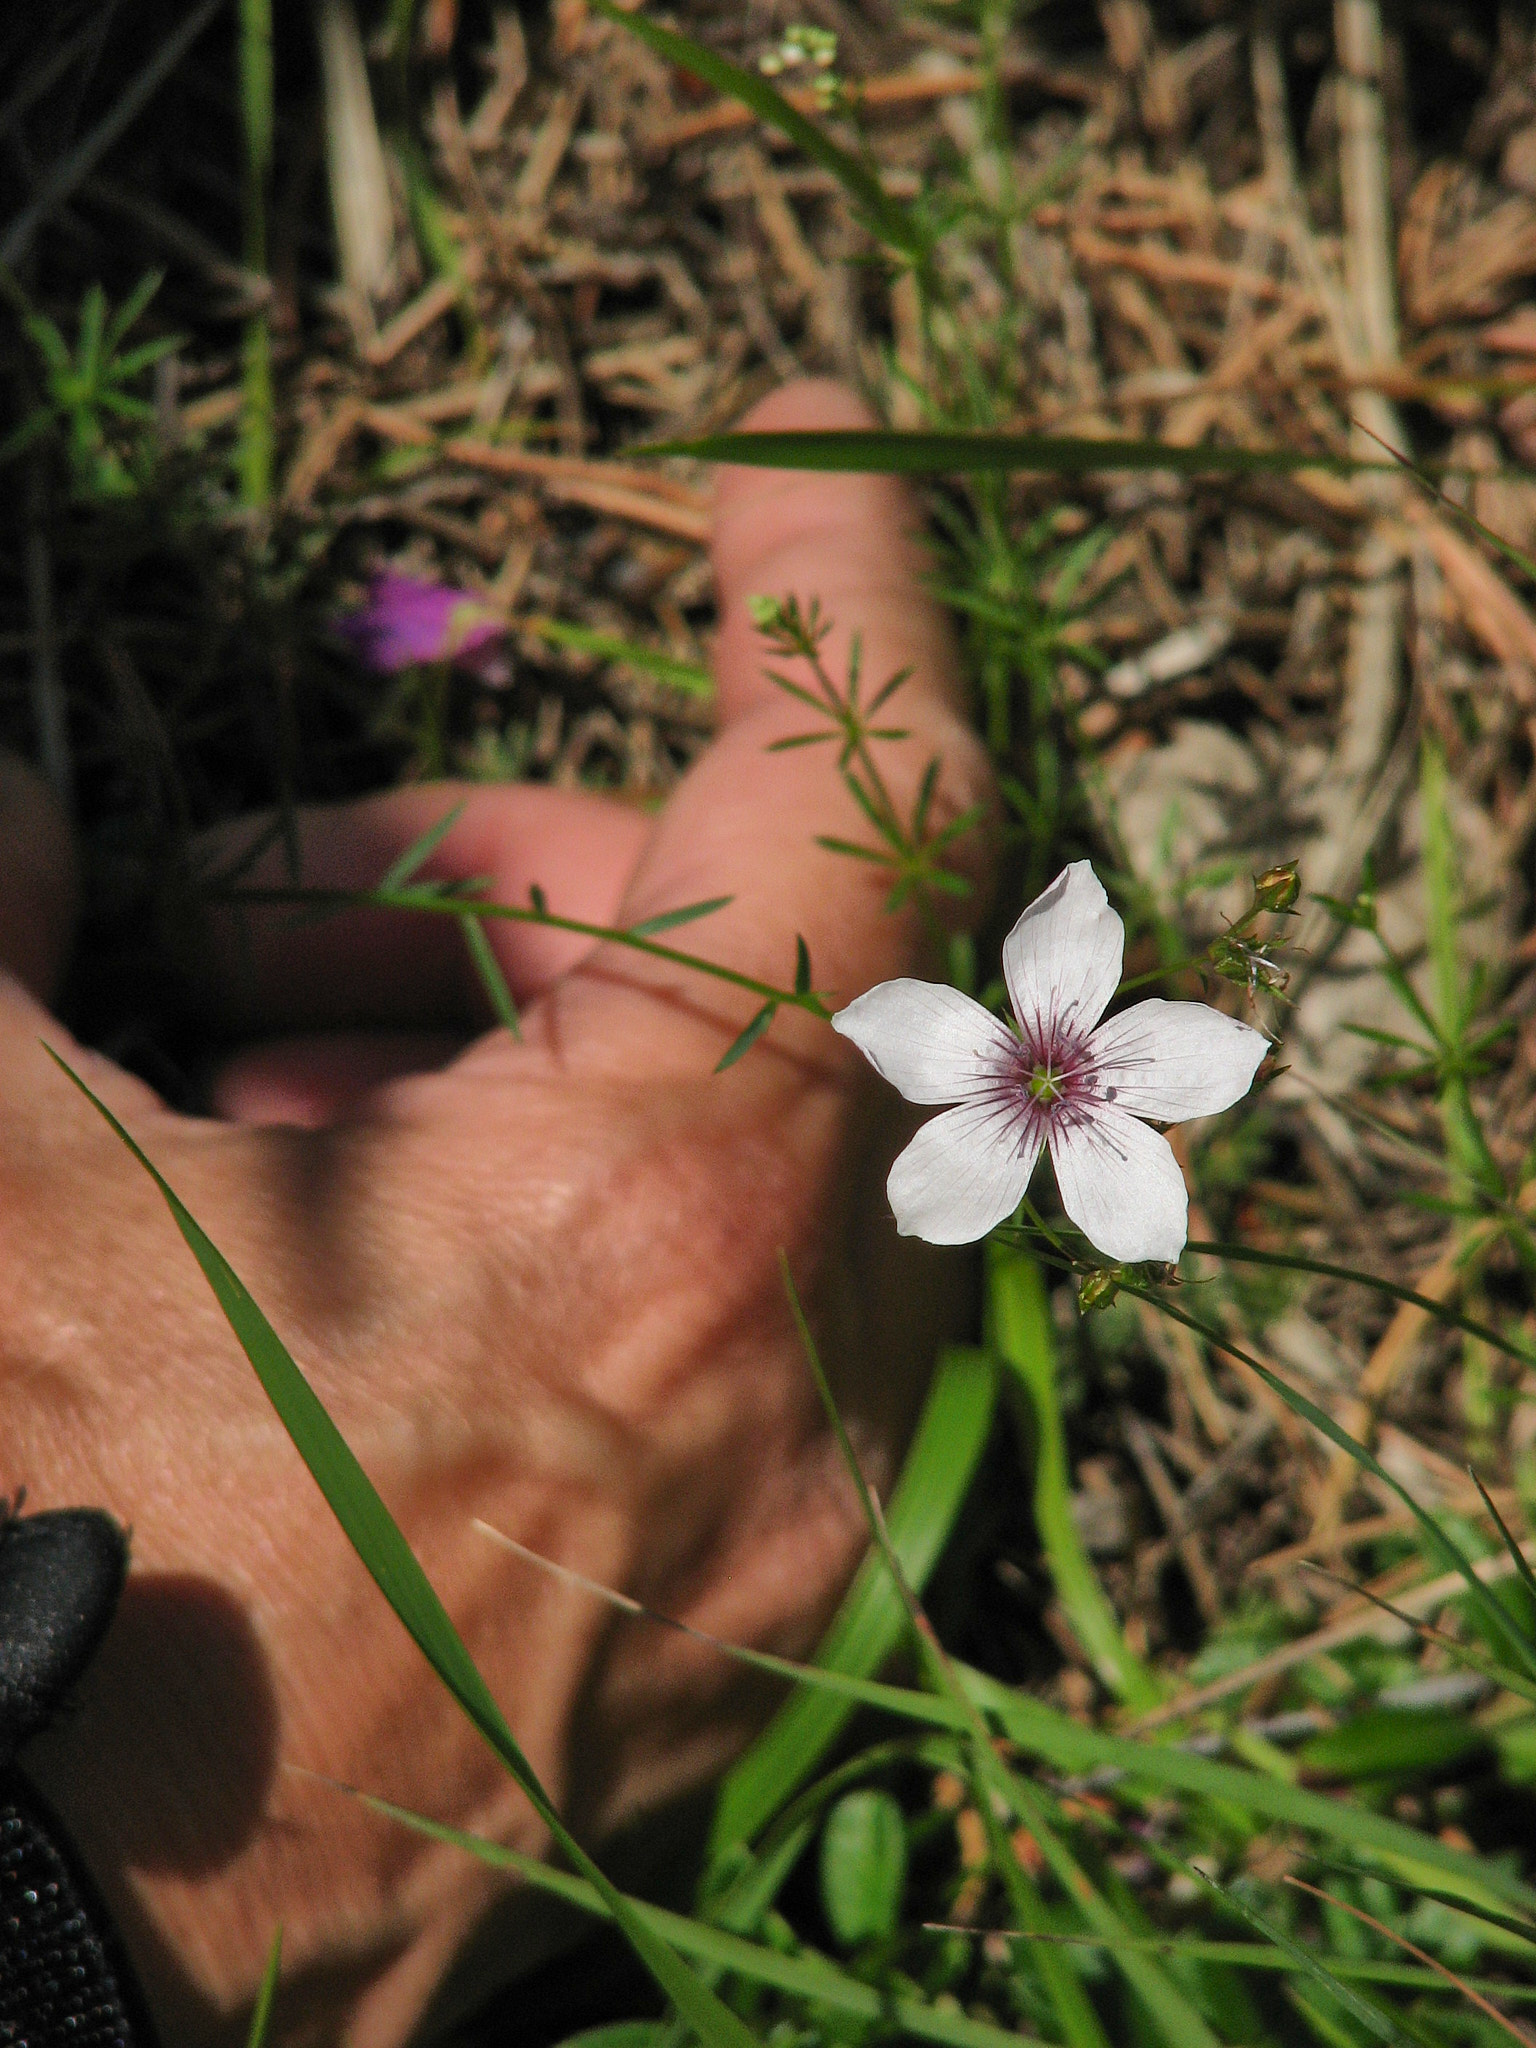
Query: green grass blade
{"type": "Point", "coordinates": [870, 1624]}
{"type": "Point", "coordinates": [1253, 1955]}
{"type": "Point", "coordinates": [390, 1562]}
{"type": "Point", "coordinates": [1371, 2017]}
{"type": "Point", "coordinates": [808, 1975]}
{"type": "Point", "coordinates": [997, 1790]}
{"type": "Point", "coordinates": [1020, 1324]}
{"type": "Point", "coordinates": [1495, 1669]}
{"type": "Point", "coordinates": [261, 2013]}
{"type": "Point", "coordinates": [678, 675]}
{"type": "Point", "coordinates": [859, 180]}
{"type": "Point", "coordinates": [1523, 1930]}
{"type": "Point", "coordinates": [1294, 1262]}
{"type": "Point", "coordinates": [1526, 1575]}
{"type": "Point", "coordinates": [488, 967]}
{"type": "Point", "coordinates": [1065, 1745]}
{"type": "Point", "coordinates": [947, 454]}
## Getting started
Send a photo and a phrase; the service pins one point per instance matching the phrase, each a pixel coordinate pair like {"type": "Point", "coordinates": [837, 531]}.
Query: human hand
{"type": "Point", "coordinates": [538, 1285]}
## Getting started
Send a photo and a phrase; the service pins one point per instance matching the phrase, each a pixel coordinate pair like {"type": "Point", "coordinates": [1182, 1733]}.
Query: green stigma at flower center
{"type": "Point", "coordinates": [1045, 1084]}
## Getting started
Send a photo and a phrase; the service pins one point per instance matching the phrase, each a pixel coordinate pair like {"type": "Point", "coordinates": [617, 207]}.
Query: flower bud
{"type": "Point", "coordinates": [1278, 887]}
{"type": "Point", "coordinates": [1097, 1289]}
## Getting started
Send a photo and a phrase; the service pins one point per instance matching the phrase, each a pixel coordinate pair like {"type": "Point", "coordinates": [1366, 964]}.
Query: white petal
{"type": "Point", "coordinates": [1121, 1185]}
{"type": "Point", "coordinates": [1173, 1060]}
{"type": "Point", "coordinates": [1062, 959]}
{"type": "Point", "coordinates": [963, 1172]}
{"type": "Point", "coordinates": [931, 1042]}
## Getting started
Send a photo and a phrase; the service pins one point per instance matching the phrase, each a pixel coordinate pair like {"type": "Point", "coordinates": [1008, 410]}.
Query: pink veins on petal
{"type": "Point", "coordinates": [1065, 1080]}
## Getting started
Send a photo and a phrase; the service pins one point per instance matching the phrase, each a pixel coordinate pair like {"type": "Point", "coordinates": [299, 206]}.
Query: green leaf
{"type": "Point", "coordinates": [50, 345]}
{"type": "Point", "coordinates": [1019, 1321]}
{"type": "Point", "coordinates": [128, 313]}
{"type": "Point", "coordinates": [261, 2012]}
{"type": "Point", "coordinates": [142, 358]}
{"type": "Point", "coordinates": [749, 1037]}
{"type": "Point", "coordinates": [802, 966]}
{"type": "Point", "coordinates": [390, 1562]}
{"type": "Point", "coordinates": [31, 429]}
{"type": "Point", "coordinates": [946, 1448]}
{"type": "Point", "coordinates": [871, 853]}
{"type": "Point", "coordinates": [799, 739]}
{"type": "Point", "coordinates": [887, 690]}
{"type": "Point", "coordinates": [875, 450]}
{"type": "Point", "coordinates": [488, 967]}
{"type": "Point", "coordinates": [669, 920]}
{"type": "Point", "coordinates": [421, 851]}
{"type": "Point", "coordinates": [864, 1866]}
{"type": "Point", "coordinates": [93, 313]}
{"type": "Point", "coordinates": [858, 179]}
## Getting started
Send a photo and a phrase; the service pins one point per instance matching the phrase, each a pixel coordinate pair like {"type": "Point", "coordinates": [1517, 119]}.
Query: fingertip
{"type": "Point", "coordinates": [851, 540]}
{"type": "Point", "coordinates": [806, 405]}
{"type": "Point", "coordinates": [41, 882]}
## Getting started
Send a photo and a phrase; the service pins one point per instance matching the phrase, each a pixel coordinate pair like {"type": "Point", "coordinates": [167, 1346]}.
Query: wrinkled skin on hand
{"type": "Point", "coordinates": [537, 1284]}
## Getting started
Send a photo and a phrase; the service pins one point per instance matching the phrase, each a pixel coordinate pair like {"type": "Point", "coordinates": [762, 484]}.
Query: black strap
{"type": "Point", "coordinates": [64, 1979]}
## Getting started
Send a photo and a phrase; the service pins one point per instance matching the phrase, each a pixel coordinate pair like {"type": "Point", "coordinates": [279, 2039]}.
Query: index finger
{"type": "Point", "coordinates": [749, 821]}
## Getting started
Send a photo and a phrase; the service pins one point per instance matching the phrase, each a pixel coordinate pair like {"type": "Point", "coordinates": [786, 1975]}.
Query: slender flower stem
{"type": "Point", "coordinates": [440, 903]}
{"type": "Point", "coordinates": [1295, 1263]}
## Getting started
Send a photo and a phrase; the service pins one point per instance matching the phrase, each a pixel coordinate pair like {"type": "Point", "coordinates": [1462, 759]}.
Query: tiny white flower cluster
{"type": "Point", "coordinates": [1066, 1081]}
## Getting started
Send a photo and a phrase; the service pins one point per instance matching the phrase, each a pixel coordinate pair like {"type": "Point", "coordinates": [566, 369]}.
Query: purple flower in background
{"type": "Point", "coordinates": [407, 620]}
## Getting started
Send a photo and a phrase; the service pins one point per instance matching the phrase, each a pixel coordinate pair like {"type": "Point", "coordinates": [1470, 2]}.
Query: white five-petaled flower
{"type": "Point", "coordinates": [1066, 1081]}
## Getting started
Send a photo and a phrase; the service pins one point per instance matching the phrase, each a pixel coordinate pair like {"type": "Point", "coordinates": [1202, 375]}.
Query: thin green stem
{"type": "Point", "coordinates": [436, 903]}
